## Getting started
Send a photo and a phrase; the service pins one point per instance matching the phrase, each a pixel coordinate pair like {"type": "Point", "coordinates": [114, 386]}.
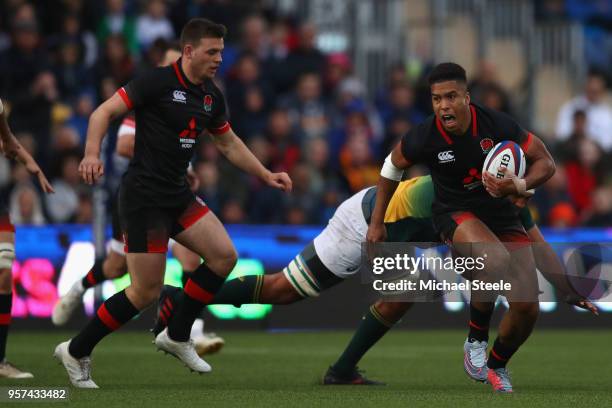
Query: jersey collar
{"type": "Point", "coordinates": [474, 126]}
{"type": "Point", "coordinates": [180, 75]}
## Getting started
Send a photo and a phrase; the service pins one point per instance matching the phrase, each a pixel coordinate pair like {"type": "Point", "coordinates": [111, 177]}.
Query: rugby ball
{"type": "Point", "coordinates": [506, 154]}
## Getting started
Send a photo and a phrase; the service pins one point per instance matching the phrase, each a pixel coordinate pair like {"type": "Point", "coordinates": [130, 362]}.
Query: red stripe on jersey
{"type": "Point", "coordinates": [474, 122]}
{"type": "Point", "coordinates": [220, 130]}
{"type": "Point", "coordinates": [126, 98]}
{"type": "Point", "coordinates": [5, 319]}
{"type": "Point", "coordinates": [108, 320]}
{"type": "Point", "coordinates": [443, 132]}
{"type": "Point", "coordinates": [527, 142]}
{"type": "Point", "coordinates": [195, 292]}
{"type": "Point", "coordinates": [177, 71]}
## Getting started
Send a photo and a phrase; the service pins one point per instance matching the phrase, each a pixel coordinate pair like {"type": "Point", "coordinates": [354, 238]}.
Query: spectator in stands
{"type": "Point", "coordinates": [357, 162]}
{"type": "Point", "coordinates": [79, 118]}
{"type": "Point", "coordinates": [65, 139]}
{"type": "Point", "coordinates": [584, 174]}
{"type": "Point", "coordinates": [25, 206]}
{"type": "Point", "coordinates": [305, 57]}
{"type": "Point", "coordinates": [552, 193]}
{"type": "Point", "coordinates": [598, 112]}
{"type": "Point", "coordinates": [84, 210]}
{"type": "Point", "coordinates": [117, 22]}
{"type": "Point", "coordinates": [283, 151]}
{"type": "Point", "coordinates": [486, 88]}
{"type": "Point", "coordinates": [400, 102]}
{"type": "Point", "coordinates": [308, 110]}
{"type": "Point", "coordinates": [569, 148]}
{"type": "Point", "coordinates": [116, 62]}
{"type": "Point", "coordinates": [27, 84]}
{"type": "Point", "coordinates": [247, 76]}
{"type": "Point", "coordinates": [62, 206]}
{"type": "Point", "coordinates": [72, 31]}
{"type": "Point", "coordinates": [153, 24]}
{"type": "Point", "coordinates": [72, 75]}
{"type": "Point", "coordinates": [600, 214]}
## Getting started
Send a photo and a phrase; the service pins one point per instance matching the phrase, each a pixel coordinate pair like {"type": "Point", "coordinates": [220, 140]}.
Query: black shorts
{"type": "Point", "coordinates": [506, 226]}
{"type": "Point", "coordinates": [5, 219]}
{"type": "Point", "coordinates": [147, 229]}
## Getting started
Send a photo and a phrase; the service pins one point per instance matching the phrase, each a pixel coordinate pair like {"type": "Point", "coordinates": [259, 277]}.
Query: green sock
{"type": "Point", "coordinates": [245, 289]}
{"type": "Point", "coordinates": [372, 327]}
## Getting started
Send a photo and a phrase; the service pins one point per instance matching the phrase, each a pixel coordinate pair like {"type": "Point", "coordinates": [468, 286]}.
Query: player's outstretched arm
{"type": "Point", "coordinates": [12, 149]}
{"type": "Point", "coordinates": [240, 156]}
{"type": "Point", "coordinates": [547, 262]}
{"type": "Point", "coordinates": [91, 167]}
{"type": "Point", "coordinates": [390, 176]}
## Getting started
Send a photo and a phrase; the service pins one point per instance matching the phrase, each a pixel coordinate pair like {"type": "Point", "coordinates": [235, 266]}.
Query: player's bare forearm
{"type": "Point", "coordinates": [541, 164]}
{"type": "Point", "coordinates": [388, 181]}
{"type": "Point", "coordinates": [239, 154]}
{"type": "Point", "coordinates": [99, 121]}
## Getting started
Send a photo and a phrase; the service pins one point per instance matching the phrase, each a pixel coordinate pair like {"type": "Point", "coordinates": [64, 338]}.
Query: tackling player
{"type": "Point", "coordinates": [11, 148]}
{"type": "Point", "coordinates": [174, 106]}
{"type": "Point", "coordinates": [471, 211]}
{"type": "Point", "coordinates": [114, 265]}
{"type": "Point", "coordinates": [335, 255]}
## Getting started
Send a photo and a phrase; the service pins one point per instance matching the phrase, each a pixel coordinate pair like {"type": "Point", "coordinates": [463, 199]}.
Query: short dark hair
{"type": "Point", "coordinates": [447, 71]}
{"type": "Point", "coordinates": [198, 28]}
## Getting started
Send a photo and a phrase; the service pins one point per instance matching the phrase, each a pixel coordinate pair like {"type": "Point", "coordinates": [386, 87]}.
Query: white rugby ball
{"type": "Point", "coordinates": [506, 154]}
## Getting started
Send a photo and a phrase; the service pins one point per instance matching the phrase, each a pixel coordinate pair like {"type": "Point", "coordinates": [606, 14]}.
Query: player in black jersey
{"type": "Point", "coordinates": [11, 148]}
{"type": "Point", "coordinates": [473, 212]}
{"type": "Point", "coordinates": [174, 107]}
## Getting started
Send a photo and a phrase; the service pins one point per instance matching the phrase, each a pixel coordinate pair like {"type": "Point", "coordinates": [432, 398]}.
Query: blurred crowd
{"type": "Point", "coordinates": [298, 109]}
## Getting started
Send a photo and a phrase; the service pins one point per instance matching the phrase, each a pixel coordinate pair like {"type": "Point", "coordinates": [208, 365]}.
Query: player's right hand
{"type": "Point", "coordinates": [91, 169]}
{"type": "Point", "coordinates": [376, 233]}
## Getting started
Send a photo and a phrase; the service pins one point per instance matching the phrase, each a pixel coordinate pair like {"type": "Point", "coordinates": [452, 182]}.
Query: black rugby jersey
{"type": "Point", "coordinates": [455, 162]}
{"type": "Point", "coordinates": [172, 114]}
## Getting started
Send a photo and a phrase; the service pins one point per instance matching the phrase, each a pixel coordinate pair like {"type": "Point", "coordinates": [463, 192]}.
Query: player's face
{"type": "Point", "coordinates": [205, 58]}
{"type": "Point", "coordinates": [450, 101]}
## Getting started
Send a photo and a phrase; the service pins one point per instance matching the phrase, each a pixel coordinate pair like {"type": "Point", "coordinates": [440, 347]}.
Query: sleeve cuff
{"type": "Point", "coordinates": [123, 94]}
{"type": "Point", "coordinates": [220, 130]}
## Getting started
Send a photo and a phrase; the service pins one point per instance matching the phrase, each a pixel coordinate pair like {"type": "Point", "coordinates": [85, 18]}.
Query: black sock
{"type": "Point", "coordinates": [500, 354]}
{"type": "Point", "coordinates": [185, 277]}
{"type": "Point", "coordinates": [95, 275]}
{"type": "Point", "coordinates": [6, 301]}
{"type": "Point", "coordinates": [479, 324]}
{"type": "Point", "coordinates": [198, 292]}
{"type": "Point", "coordinates": [245, 289]}
{"type": "Point", "coordinates": [372, 327]}
{"type": "Point", "coordinates": [113, 313]}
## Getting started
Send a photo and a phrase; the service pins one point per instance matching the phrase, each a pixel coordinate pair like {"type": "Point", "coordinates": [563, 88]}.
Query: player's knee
{"type": "Point", "coordinates": [497, 260]}
{"type": "Point", "coordinates": [114, 268]}
{"type": "Point", "coordinates": [224, 262]}
{"type": "Point", "coordinates": [146, 294]}
{"type": "Point", "coordinates": [392, 311]}
{"type": "Point", "coordinates": [528, 311]}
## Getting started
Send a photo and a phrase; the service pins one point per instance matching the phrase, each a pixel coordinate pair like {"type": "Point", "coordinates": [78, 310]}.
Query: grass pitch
{"type": "Point", "coordinates": [256, 369]}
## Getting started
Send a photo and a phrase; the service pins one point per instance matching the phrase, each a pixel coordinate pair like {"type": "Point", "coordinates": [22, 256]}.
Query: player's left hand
{"type": "Point", "coordinates": [34, 170]}
{"type": "Point", "coordinates": [501, 187]}
{"type": "Point", "coordinates": [583, 304]}
{"type": "Point", "coordinates": [279, 180]}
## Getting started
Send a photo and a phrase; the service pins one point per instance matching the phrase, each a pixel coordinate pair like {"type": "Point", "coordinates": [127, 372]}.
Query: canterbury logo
{"type": "Point", "coordinates": [179, 96]}
{"type": "Point", "coordinates": [446, 156]}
